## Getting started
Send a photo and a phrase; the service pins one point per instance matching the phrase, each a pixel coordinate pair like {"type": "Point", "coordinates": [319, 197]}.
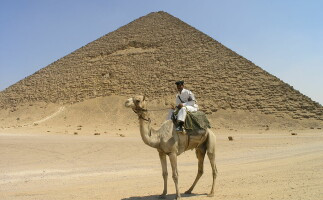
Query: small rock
{"type": "Point", "coordinates": [294, 133]}
{"type": "Point", "coordinates": [230, 138]}
{"type": "Point", "coordinates": [214, 109]}
{"type": "Point", "coordinates": [96, 133]}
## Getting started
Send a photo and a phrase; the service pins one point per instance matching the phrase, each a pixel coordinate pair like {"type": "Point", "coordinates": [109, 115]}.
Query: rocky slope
{"type": "Point", "coordinates": [146, 56]}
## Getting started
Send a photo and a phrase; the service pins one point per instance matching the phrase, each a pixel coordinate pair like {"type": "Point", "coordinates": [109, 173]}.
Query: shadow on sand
{"type": "Point", "coordinates": [170, 196]}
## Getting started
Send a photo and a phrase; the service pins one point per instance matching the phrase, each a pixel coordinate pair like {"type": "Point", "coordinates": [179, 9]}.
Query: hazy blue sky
{"type": "Point", "coordinates": [284, 37]}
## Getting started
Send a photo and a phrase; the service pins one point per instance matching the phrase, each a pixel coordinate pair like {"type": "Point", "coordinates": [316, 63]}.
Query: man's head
{"type": "Point", "coordinates": [180, 85]}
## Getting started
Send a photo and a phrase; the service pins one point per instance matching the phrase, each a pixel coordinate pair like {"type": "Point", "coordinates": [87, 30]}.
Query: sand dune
{"type": "Point", "coordinates": [108, 116]}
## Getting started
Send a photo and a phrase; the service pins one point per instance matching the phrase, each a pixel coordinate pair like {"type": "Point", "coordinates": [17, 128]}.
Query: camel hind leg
{"type": "Point", "coordinates": [210, 147]}
{"type": "Point", "coordinates": [200, 154]}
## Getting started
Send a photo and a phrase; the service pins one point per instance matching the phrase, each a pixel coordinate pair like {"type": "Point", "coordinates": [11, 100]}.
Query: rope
{"type": "Point", "coordinates": [160, 109]}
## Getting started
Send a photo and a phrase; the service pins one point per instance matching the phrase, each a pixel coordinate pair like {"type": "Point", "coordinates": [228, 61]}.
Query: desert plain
{"type": "Point", "coordinates": [85, 157]}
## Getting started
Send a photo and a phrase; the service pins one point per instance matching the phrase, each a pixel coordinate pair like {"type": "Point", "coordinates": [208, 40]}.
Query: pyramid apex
{"type": "Point", "coordinates": [154, 49]}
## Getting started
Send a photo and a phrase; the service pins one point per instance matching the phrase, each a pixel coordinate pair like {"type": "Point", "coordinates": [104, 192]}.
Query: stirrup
{"type": "Point", "coordinates": [179, 129]}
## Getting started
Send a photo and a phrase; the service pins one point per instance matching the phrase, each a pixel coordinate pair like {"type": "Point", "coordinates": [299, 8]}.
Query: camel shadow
{"type": "Point", "coordinates": [154, 197]}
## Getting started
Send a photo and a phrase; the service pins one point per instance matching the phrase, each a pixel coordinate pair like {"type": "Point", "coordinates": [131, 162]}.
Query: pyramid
{"type": "Point", "coordinates": [147, 56]}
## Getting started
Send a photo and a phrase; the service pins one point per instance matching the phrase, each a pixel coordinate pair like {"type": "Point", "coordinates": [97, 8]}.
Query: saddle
{"type": "Point", "coordinates": [194, 122]}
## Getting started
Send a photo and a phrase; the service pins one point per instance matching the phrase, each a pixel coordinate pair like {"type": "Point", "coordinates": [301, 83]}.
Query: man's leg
{"type": "Point", "coordinates": [180, 119]}
{"type": "Point", "coordinates": [179, 127]}
{"type": "Point", "coordinates": [182, 114]}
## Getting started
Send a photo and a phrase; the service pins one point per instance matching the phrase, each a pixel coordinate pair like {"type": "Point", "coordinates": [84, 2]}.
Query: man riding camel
{"type": "Point", "coordinates": [185, 101]}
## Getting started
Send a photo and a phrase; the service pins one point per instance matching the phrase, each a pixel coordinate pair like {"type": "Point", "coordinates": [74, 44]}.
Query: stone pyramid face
{"type": "Point", "coordinates": [147, 56]}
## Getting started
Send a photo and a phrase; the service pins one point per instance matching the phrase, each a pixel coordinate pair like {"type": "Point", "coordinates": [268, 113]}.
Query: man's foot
{"type": "Point", "coordinates": [179, 129]}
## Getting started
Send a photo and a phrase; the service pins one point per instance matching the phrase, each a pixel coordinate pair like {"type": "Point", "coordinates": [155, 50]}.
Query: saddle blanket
{"type": "Point", "coordinates": [196, 121]}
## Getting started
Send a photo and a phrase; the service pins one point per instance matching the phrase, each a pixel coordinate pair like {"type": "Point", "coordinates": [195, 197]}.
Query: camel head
{"type": "Point", "coordinates": [137, 103]}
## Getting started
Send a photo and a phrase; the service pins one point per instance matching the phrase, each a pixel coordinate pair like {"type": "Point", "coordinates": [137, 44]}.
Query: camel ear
{"type": "Point", "coordinates": [144, 97]}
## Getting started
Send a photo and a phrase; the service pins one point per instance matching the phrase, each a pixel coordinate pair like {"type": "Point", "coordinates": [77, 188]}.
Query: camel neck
{"type": "Point", "coordinates": [148, 135]}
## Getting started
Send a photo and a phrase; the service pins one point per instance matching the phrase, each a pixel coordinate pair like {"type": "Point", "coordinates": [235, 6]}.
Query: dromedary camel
{"type": "Point", "coordinates": [168, 142]}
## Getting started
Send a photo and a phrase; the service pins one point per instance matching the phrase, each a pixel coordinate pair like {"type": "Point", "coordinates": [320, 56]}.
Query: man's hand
{"type": "Point", "coordinates": [180, 106]}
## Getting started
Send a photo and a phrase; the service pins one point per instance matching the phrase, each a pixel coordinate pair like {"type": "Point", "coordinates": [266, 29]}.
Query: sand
{"type": "Point", "coordinates": [93, 150]}
{"type": "Point", "coordinates": [252, 166]}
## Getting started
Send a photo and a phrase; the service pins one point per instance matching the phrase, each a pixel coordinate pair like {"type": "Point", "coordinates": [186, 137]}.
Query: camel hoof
{"type": "Point", "coordinates": [188, 192]}
{"type": "Point", "coordinates": [210, 195]}
{"type": "Point", "coordinates": [162, 196]}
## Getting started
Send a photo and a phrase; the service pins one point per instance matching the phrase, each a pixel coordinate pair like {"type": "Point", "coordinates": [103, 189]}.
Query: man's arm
{"type": "Point", "coordinates": [191, 100]}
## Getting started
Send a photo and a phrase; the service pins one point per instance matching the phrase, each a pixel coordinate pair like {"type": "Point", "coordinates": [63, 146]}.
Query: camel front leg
{"type": "Point", "coordinates": [163, 161]}
{"type": "Point", "coordinates": [173, 162]}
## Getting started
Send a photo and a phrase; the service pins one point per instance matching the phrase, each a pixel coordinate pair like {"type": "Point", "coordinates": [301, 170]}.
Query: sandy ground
{"type": "Point", "coordinates": [253, 166]}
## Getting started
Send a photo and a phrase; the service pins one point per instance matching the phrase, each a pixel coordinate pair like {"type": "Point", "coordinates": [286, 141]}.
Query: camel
{"type": "Point", "coordinates": [168, 142]}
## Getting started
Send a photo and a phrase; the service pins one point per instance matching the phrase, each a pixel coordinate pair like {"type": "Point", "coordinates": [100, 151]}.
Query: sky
{"type": "Point", "coordinates": [283, 37]}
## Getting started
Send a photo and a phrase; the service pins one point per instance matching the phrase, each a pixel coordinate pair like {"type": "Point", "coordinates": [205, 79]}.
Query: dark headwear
{"type": "Point", "coordinates": [179, 83]}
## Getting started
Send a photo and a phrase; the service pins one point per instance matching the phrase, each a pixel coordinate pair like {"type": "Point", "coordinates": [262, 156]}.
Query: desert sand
{"type": "Point", "coordinates": [252, 166]}
{"type": "Point", "coordinates": [93, 150]}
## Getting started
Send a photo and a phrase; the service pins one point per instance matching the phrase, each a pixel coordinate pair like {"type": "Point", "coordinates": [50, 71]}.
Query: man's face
{"type": "Point", "coordinates": [180, 87]}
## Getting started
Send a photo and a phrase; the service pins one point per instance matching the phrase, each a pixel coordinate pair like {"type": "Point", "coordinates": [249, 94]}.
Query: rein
{"type": "Point", "coordinates": [159, 109]}
{"type": "Point", "coordinates": [139, 112]}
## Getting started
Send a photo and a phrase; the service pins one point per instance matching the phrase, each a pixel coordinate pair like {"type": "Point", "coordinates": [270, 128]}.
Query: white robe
{"type": "Point", "coordinates": [186, 98]}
